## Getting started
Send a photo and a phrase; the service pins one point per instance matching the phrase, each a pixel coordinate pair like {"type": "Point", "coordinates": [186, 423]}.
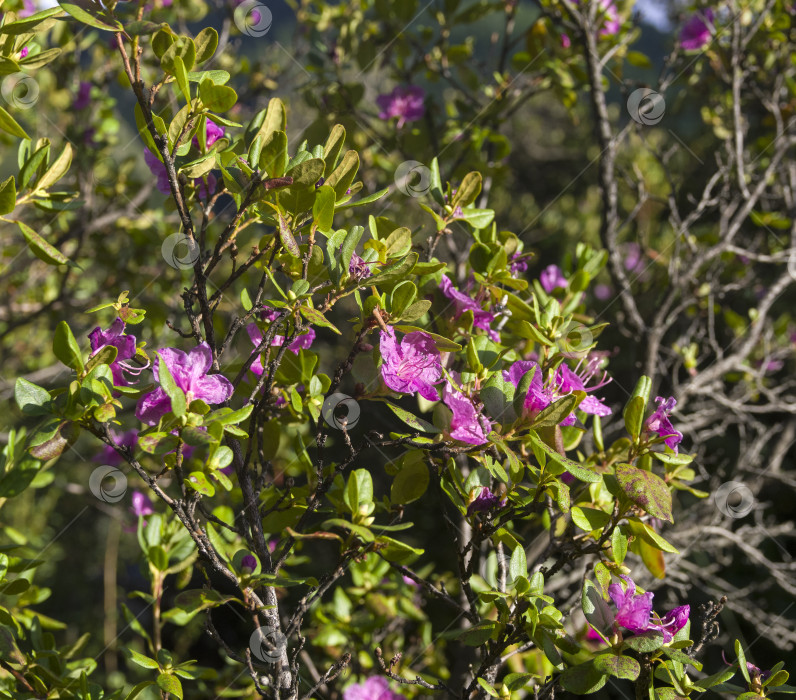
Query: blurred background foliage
{"type": "Point", "coordinates": [503, 96]}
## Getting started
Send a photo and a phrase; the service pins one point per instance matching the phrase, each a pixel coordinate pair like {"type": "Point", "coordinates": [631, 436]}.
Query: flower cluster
{"type": "Point", "coordinates": [413, 365]}
{"type": "Point", "coordinates": [634, 611]}
{"type": "Point", "coordinates": [190, 372]}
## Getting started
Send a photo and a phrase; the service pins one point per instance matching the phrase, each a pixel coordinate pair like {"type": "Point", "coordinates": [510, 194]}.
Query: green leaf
{"type": "Point", "coordinates": [323, 209]}
{"type": "Point", "coordinates": [273, 155]}
{"type": "Point", "coordinates": [518, 565]}
{"type": "Point", "coordinates": [595, 608]}
{"type": "Point", "coordinates": [488, 688]}
{"type": "Point", "coordinates": [410, 483]}
{"type": "Point", "coordinates": [645, 643]}
{"type": "Point", "coordinates": [219, 77]}
{"type": "Point", "coordinates": [583, 679]}
{"type": "Point", "coordinates": [286, 236]}
{"type": "Point", "coordinates": [65, 347]}
{"type": "Point", "coordinates": [634, 410]}
{"type": "Point", "coordinates": [564, 463]}
{"type": "Point", "coordinates": [269, 121]}
{"type": "Point", "coordinates": [557, 411]}
{"type": "Point", "coordinates": [181, 76]}
{"type": "Point", "coordinates": [467, 191]}
{"type": "Point", "coordinates": [498, 396]}
{"type": "Point", "coordinates": [32, 399]}
{"type": "Point", "coordinates": [333, 147]}
{"type": "Point", "coordinates": [19, 477]}
{"type": "Point", "coordinates": [158, 558]}
{"type": "Point", "coordinates": [41, 248]}
{"type": "Point", "coordinates": [478, 218]}
{"type": "Point", "coordinates": [9, 124]}
{"type": "Point", "coordinates": [316, 318]}
{"type": "Point", "coordinates": [139, 659]}
{"type": "Point", "coordinates": [742, 660]}
{"type": "Point", "coordinates": [174, 392]}
{"type": "Point", "coordinates": [65, 435]}
{"type": "Point", "coordinates": [217, 98]}
{"type": "Point", "coordinates": [88, 17]}
{"type": "Point", "coordinates": [634, 416]}
{"type": "Point", "coordinates": [306, 173]}
{"type": "Point", "coordinates": [138, 689]}
{"type": "Point", "coordinates": [648, 534]}
{"type": "Point", "coordinates": [343, 175]}
{"type": "Point", "coordinates": [618, 666]}
{"type": "Point", "coordinates": [395, 272]}
{"type": "Point", "coordinates": [29, 24]}
{"type": "Point", "coordinates": [395, 550]}
{"type": "Point", "coordinates": [478, 634]}
{"type": "Point", "coordinates": [8, 196]}
{"type": "Point", "coordinates": [647, 490]}
{"type": "Point", "coordinates": [198, 482]}
{"type": "Point", "coordinates": [412, 420]}
{"type": "Point", "coordinates": [206, 43]}
{"type": "Point", "coordinates": [170, 684]}
{"type": "Point", "coordinates": [619, 545]}
{"type": "Point", "coordinates": [589, 519]}
{"type": "Point", "coordinates": [56, 171]}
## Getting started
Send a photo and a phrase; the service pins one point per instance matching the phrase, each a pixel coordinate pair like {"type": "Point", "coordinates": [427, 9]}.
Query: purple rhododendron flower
{"type": "Point", "coordinates": [125, 350]}
{"type": "Point", "coordinates": [481, 319]}
{"type": "Point", "coordinates": [485, 502]}
{"type": "Point", "coordinates": [518, 264]}
{"type": "Point", "coordinates": [660, 424]}
{"type": "Point", "coordinates": [158, 169]}
{"type": "Point", "coordinates": [565, 381]}
{"type": "Point", "coordinates": [467, 423]}
{"type": "Point", "coordinates": [412, 365]}
{"type": "Point", "coordinates": [303, 341]}
{"type": "Point", "coordinates": [110, 456]}
{"type": "Point", "coordinates": [358, 268]}
{"type": "Point", "coordinates": [190, 374]}
{"type": "Point", "coordinates": [673, 621]}
{"type": "Point", "coordinates": [141, 505]}
{"type": "Point", "coordinates": [633, 611]}
{"type": "Point", "coordinates": [213, 132]}
{"type": "Point", "coordinates": [406, 103]}
{"type": "Point", "coordinates": [552, 278]}
{"type": "Point", "coordinates": [696, 32]}
{"type": "Point", "coordinates": [569, 381]}
{"type": "Point", "coordinates": [24, 52]}
{"type": "Point", "coordinates": [374, 688]}
{"type": "Point", "coordinates": [83, 98]}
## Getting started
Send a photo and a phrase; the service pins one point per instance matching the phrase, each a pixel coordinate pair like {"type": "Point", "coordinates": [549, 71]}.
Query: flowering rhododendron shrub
{"type": "Point", "coordinates": [374, 350]}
